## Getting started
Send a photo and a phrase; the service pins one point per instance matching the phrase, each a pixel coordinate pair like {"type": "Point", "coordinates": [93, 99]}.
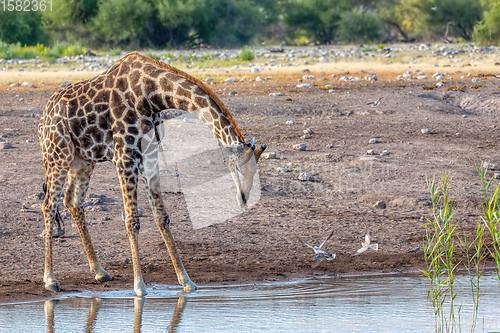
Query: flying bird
{"type": "Point", "coordinates": [434, 8]}
{"type": "Point", "coordinates": [320, 253]}
{"type": "Point", "coordinates": [366, 245]}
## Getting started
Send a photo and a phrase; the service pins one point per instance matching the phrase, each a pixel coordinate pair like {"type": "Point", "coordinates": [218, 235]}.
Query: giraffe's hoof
{"type": "Point", "coordinates": [53, 286]}
{"type": "Point", "coordinates": [140, 289]}
{"type": "Point", "coordinates": [190, 287]}
{"type": "Point", "coordinates": [103, 277]}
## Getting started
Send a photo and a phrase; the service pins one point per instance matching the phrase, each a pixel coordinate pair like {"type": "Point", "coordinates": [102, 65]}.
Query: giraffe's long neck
{"type": "Point", "coordinates": [172, 91]}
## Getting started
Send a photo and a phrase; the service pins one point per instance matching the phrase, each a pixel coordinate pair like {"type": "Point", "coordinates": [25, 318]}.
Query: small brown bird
{"type": "Point", "coordinates": [320, 253]}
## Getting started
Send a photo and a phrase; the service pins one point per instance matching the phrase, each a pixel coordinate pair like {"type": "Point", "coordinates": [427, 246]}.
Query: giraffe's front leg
{"type": "Point", "coordinates": [128, 175]}
{"type": "Point", "coordinates": [150, 177]}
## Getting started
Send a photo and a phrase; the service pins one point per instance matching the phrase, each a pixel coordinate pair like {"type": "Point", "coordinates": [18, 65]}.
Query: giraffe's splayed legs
{"type": "Point", "coordinates": [78, 183]}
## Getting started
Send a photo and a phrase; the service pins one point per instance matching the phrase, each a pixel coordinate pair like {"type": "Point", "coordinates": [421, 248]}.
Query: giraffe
{"type": "Point", "coordinates": [105, 119]}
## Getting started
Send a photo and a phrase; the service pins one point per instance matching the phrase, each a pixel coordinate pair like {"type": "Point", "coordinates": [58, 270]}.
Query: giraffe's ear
{"type": "Point", "coordinates": [259, 151]}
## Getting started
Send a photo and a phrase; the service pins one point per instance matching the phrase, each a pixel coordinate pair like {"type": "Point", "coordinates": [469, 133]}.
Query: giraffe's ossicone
{"type": "Point", "coordinates": [107, 118]}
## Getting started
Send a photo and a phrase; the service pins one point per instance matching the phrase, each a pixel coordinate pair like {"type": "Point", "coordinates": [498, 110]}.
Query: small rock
{"type": "Point", "coordinates": [426, 131]}
{"type": "Point", "coordinates": [254, 70]}
{"type": "Point", "coordinates": [243, 79]}
{"type": "Point", "coordinates": [308, 77]}
{"type": "Point", "coordinates": [5, 145]}
{"type": "Point", "coordinates": [290, 122]}
{"type": "Point", "coordinates": [305, 136]}
{"type": "Point", "coordinates": [370, 152]}
{"type": "Point", "coordinates": [105, 218]}
{"type": "Point", "coordinates": [259, 79]}
{"type": "Point", "coordinates": [65, 84]}
{"type": "Point", "coordinates": [475, 80]}
{"type": "Point", "coordinates": [15, 84]}
{"type": "Point", "coordinates": [308, 131]}
{"type": "Point", "coordinates": [323, 59]}
{"type": "Point", "coordinates": [374, 140]}
{"type": "Point", "coordinates": [230, 80]}
{"type": "Point", "coordinates": [440, 84]}
{"type": "Point", "coordinates": [331, 91]}
{"type": "Point", "coordinates": [328, 87]}
{"type": "Point", "coordinates": [276, 94]}
{"type": "Point", "coordinates": [127, 261]}
{"type": "Point", "coordinates": [281, 169]}
{"type": "Point", "coordinates": [269, 155]}
{"type": "Point", "coordinates": [209, 79]}
{"type": "Point", "coordinates": [288, 99]}
{"type": "Point", "coordinates": [307, 177]}
{"type": "Point", "coordinates": [300, 146]}
{"type": "Point", "coordinates": [27, 84]}
{"type": "Point", "coordinates": [490, 166]}
{"type": "Point", "coordinates": [421, 77]}
{"type": "Point", "coordinates": [233, 93]}
{"type": "Point", "coordinates": [380, 205]}
{"type": "Point", "coordinates": [497, 175]}
{"type": "Point", "coordinates": [385, 152]}
{"type": "Point", "coordinates": [304, 71]}
{"type": "Point", "coordinates": [330, 145]}
{"type": "Point", "coordinates": [304, 85]}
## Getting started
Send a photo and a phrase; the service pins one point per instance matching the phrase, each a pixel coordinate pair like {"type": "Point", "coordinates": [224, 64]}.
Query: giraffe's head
{"type": "Point", "coordinates": [243, 166]}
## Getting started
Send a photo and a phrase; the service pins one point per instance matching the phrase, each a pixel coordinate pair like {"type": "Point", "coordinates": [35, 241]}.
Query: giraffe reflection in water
{"type": "Point", "coordinates": [97, 303]}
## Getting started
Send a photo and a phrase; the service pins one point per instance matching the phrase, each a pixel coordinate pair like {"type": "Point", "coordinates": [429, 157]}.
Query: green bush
{"type": "Point", "coordinates": [16, 51]}
{"type": "Point", "coordinates": [115, 52]}
{"type": "Point", "coordinates": [487, 32]}
{"type": "Point", "coordinates": [247, 54]}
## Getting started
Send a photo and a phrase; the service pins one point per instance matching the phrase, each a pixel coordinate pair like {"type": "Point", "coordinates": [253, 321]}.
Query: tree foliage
{"type": "Point", "coordinates": [21, 27]}
{"type": "Point", "coordinates": [360, 25]}
{"type": "Point", "coordinates": [487, 32]}
{"type": "Point", "coordinates": [227, 23]}
{"type": "Point", "coordinates": [463, 15]}
{"type": "Point", "coordinates": [68, 19]}
{"type": "Point", "coordinates": [316, 19]}
{"type": "Point", "coordinates": [121, 22]}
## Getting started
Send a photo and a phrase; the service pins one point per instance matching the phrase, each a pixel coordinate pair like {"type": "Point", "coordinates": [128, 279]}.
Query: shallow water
{"type": "Point", "coordinates": [382, 303]}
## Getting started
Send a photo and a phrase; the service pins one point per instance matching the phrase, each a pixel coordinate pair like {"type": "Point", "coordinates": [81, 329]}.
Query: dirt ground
{"type": "Point", "coordinates": [260, 245]}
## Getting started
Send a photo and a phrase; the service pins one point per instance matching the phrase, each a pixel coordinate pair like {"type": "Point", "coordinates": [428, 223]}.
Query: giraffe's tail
{"type": "Point", "coordinates": [59, 219]}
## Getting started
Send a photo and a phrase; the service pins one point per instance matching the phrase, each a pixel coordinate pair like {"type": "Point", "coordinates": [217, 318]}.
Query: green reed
{"type": "Point", "coordinates": [491, 219]}
{"type": "Point", "coordinates": [439, 249]}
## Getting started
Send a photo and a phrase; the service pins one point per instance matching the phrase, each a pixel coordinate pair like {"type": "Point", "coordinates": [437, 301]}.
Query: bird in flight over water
{"type": "Point", "coordinates": [320, 253]}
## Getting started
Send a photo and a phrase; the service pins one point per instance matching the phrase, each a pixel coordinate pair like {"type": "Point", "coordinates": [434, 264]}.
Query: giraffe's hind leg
{"type": "Point", "coordinates": [151, 180]}
{"type": "Point", "coordinates": [54, 189]}
{"type": "Point", "coordinates": [78, 183]}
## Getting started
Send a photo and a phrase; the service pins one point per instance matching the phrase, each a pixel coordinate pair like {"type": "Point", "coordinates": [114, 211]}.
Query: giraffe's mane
{"type": "Point", "coordinates": [195, 81]}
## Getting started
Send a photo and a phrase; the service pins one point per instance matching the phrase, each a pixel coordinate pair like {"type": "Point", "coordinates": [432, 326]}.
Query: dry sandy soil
{"type": "Point", "coordinates": [260, 245]}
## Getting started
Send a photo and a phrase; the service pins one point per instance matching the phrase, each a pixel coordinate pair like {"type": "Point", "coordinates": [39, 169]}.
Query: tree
{"type": "Point", "coordinates": [130, 23]}
{"type": "Point", "coordinates": [316, 19]}
{"type": "Point", "coordinates": [360, 25]}
{"type": "Point", "coordinates": [405, 17]}
{"type": "Point", "coordinates": [487, 32]}
{"type": "Point", "coordinates": [463, 15]}
{"type": "Point", "coordinates": [21, 27]}
{"type": "Point", "coordinates": [69, 18]}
